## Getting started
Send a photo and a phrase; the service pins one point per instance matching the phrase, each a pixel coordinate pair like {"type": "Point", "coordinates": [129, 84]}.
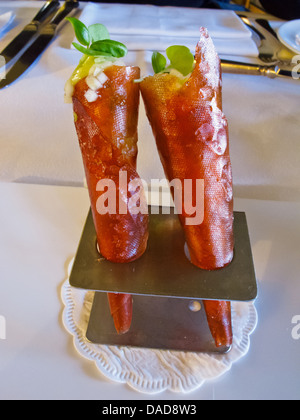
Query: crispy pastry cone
{"type": "Point", "coordinates": [191, 134]}
{"type": "Point", "coordinates": [107, 134]}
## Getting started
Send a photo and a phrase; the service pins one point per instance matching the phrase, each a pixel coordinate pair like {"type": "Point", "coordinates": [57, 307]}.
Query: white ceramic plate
{"type": "Point", "coordinates": [5, 20]}
{"type": "Point", "coordinates": [287, 34]}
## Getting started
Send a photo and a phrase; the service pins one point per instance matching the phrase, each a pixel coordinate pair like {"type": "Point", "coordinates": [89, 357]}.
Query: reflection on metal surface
{"type": "Point", "coordinates": [167, 289]}
{"type": "Point", "coordinates": [164, 270]}
{"type": "Point", "coordinates": [160, 323]}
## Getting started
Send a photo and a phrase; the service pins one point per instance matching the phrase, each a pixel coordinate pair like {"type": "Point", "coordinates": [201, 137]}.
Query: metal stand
{"type": "Point", "coordinates": [167, 289]}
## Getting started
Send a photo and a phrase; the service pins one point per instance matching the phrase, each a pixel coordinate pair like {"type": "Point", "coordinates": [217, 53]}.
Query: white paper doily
{"type": "Point", "coordinates": [153, 371]}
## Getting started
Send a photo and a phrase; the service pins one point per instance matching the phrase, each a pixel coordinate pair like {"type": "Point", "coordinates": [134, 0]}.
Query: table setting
{"type": "Point", "coordinates": [46, 313]}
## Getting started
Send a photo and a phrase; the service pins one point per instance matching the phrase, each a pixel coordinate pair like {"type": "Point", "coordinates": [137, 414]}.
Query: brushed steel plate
{"type": "Point", "coordinates": [164, 270]}
{"type": "Point", "coordinates": [157, 323]}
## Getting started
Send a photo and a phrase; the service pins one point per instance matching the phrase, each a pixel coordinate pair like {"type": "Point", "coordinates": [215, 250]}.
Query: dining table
{"type": "Point", "coordinates": [44, 205]}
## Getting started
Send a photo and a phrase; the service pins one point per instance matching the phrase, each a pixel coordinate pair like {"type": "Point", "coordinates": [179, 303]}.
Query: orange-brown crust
{"type": "Point", "coordinates": [191, 134]}
{"type": "Point", "coordinates": [192, 139]}
{"type": "Point", "coordinates": [121, 310]}
{"type": "Point", "coordinates": [107, 134]}
{"type": "Point", "coordinates": [218, 315]}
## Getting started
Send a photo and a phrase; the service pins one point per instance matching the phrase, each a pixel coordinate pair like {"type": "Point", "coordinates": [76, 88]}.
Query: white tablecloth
{"type": "Point", "coordinates": [39, 145]}
{"type": "Point", "coordinates": [40, 230]}
{"type": "Point", "coordinates": [41, 225]}
{"type": "Point", "coordinates": [144, 27]}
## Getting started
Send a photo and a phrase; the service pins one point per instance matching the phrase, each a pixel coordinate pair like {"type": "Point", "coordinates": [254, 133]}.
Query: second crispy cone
{"type": "Point", "coordinates": [192, 139]}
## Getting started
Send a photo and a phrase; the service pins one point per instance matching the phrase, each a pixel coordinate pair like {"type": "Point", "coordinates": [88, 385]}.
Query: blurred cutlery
{"type": "Point", "coordinates": [29, 32]}
{"type": "Point", "coordinates": [46, 35]}
{"type": "Point", "coordinates": [267, 52]}
{"type": "Point", "coordinates": [272, 71]}
{"type": "Point", "coordinates": [265, 24]}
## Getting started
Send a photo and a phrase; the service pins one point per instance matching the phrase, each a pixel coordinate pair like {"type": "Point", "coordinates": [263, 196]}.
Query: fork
{"type": "Point", "coordinates": [266, 53]}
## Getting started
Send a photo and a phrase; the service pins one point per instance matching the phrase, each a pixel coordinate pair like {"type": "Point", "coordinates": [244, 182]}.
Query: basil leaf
{"type": "Point", "coordinates": [159, 62]}
{"type": "Point", "coordinates": [88, 51]}
{"type": "Point", "coordinates": [95, 40]}
{"type": "Point", "coordinates": [98, 32]}
{"type": "Point", "coordinates": [110, 47]}
{"type": "Point", "coordinates": [180, 58]}
{"type": "Point", "coordinates": [81, 31]}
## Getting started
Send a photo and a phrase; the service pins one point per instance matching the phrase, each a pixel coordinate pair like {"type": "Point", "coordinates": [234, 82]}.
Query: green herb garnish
{"type": "Point", "coordinates": [180, 57]}
{"type": "Point", "coordinates": [159, 62]}
{"type": "Point", "coordinates": [98, 32]}
{"type": "Point", "coordinates": [95, 40]}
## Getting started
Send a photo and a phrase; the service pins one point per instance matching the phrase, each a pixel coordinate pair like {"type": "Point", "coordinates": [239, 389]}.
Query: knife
{"type": "Point", "coordinates": [265, 24]}
{"type": "Point", "coordinates": [46, 35]}
{"type": "Point", "coordinates": [28, 33]}
{"type": "Point", "coordinates": [271, 50]}
{"type": "Point", "coordinates": [247, 22]}
{"type": "Point", "coordinates": [273, 71]}
{"type": "Point", "coordinates": [267, 51]}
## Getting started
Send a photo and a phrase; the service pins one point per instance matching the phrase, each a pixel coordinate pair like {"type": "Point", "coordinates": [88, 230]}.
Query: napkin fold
{"type": "Point", "coordinates": [223, 46]}
{"type": "Point", "coordinates": [148, 27]}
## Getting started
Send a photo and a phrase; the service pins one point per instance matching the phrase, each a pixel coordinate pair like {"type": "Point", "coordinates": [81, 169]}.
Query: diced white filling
{"type": "Point", "coordinates": [96, 71]}
{"type": "Point", "coordinates": [101, 64]}
{"type": "Point", "coordinates": [96, 81]}
{"type": "Point", "coordinates": [93, 83]}
{"type": "Point", "coordinates": [97, 78]}
{"type": "Point", "coordinates": [102, 78]}
{"type": "Point", "coordinates": [91, 95]}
